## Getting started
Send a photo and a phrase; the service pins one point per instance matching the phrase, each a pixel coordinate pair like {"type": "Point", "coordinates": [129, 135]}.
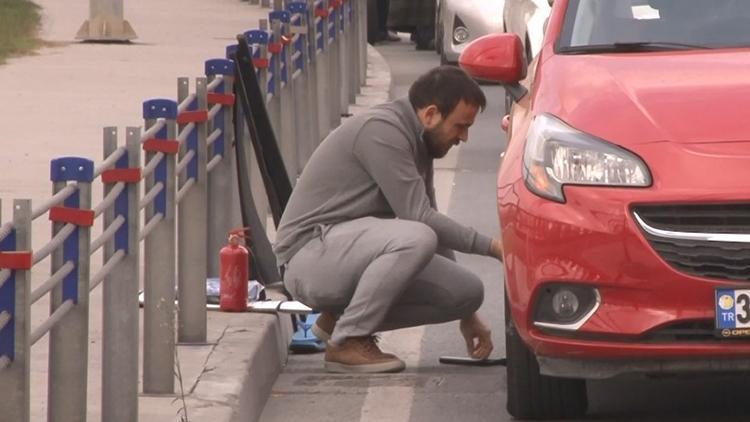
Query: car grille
{"type": "Point", "coordinates": [682, 244]}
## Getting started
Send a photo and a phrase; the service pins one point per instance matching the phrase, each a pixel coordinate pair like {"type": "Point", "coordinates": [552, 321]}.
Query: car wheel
{"type": "Point", "coordinates": [532, 395]}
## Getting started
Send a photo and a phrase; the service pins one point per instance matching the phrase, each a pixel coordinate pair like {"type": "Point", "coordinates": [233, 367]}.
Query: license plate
{"type": "Point", "coordinates": [733, 313]}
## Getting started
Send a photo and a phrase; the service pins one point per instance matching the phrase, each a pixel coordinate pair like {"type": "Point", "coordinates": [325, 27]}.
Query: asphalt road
{"type": "Point", "coordinates": [429, 391]}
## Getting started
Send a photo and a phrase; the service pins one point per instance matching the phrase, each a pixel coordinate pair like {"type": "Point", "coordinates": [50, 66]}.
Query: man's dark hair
{"type": "Point", "coordinates": [445, 87]}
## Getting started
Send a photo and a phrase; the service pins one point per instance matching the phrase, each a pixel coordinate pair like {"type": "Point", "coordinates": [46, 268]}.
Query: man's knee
{"type": "Point", "coordinates": [419, 237]}
{"type": "Point", "coordinates": [472, 294]}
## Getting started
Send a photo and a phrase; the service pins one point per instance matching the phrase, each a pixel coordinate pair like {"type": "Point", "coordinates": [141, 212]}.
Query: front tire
{"type": "Point", "coordinates": [535, 396]}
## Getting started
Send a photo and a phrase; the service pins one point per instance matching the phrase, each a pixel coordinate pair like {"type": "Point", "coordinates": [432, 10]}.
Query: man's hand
{"type": "Point", "coordinates": [496, 249]}
{"type": "Point", "coordinates": [478, 337]}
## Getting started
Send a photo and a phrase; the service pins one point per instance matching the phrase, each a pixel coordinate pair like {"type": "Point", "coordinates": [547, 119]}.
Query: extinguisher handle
{"type": "Point", "coordinates": [240, 232]}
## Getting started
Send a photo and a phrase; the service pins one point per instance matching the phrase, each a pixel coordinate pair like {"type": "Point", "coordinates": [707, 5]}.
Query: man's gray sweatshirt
{"type": "Point", "coordinates": [375, 164]}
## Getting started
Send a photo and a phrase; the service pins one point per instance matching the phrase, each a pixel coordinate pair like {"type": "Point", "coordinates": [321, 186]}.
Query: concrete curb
{"type": "Point", "coordinates": [252, 349]}
{"type": "Point", "coordinates": [239, 373]}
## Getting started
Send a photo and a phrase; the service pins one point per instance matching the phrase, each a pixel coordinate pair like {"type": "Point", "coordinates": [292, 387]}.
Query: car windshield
{"type": "Point", "coordinates": [653, 25]}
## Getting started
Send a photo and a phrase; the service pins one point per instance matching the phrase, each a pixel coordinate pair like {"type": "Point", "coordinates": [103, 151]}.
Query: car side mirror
{"type": "Point", "coordinates": [497, 58]}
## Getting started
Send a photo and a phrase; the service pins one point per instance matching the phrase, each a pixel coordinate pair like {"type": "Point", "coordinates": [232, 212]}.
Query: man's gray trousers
{"type": "Point", "coordinates": [379, 275]}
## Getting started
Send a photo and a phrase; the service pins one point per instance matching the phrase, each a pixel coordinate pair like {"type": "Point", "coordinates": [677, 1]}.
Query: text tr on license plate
{"type": "Point", "coordinates": [733, 312]}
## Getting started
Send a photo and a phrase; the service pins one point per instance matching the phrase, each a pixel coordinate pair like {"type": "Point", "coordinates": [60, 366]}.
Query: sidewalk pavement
{"type": "Point", "coordinates": [56, 102]}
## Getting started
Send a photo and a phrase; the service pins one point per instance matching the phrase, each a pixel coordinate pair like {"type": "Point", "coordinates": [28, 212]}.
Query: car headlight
{"type": "Point", "coordinates": [558, 155]}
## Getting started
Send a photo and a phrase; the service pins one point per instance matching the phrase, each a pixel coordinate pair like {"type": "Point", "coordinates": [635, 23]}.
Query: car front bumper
{"type": "Point", "coordinates": [604, 369]}
{"type": "Point", "coordinates": [651, 317]}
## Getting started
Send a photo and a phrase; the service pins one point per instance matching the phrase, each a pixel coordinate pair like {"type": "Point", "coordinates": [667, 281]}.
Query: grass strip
{"type": "Point", "coordinates": [19, 27]}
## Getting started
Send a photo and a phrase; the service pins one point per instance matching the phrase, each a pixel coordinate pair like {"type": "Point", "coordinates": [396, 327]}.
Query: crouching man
{"type": "Point", "coordinates": [361, 239]}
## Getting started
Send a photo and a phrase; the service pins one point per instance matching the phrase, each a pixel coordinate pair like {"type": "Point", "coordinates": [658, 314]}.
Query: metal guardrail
{"type": "Point", "coordinates": [186, 193]}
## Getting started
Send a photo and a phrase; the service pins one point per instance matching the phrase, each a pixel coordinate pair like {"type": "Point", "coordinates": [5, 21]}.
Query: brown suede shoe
{"type": "Point", "coordinates": [360, 355]}
{"type": "Point", "coordinates": [324, 325]}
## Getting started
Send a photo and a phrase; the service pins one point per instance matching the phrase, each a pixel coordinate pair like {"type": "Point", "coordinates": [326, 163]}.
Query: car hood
{"type": "Point", "coordinates": [682, 97]}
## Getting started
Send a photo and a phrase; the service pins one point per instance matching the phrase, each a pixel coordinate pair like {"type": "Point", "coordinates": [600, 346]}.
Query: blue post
{"type": "Point", "coordinates": [258, 40]}
{"type": "Point", "coordinates": [223, 201]}
{"type": "Point", "coordinates": [120, 333]}
{"type": "Point", "coordinates": [193, 214]}
{"type": "Point", "coordinates": [68, 340]}
{"type": "Point", "coordinates": [8, 303]}
{"type": "Point", "coordinates": [283, 114]}
{"type": "Point", "coordinates": [15, 302]}
{"type": "Point", "coordinates": [160, 252]}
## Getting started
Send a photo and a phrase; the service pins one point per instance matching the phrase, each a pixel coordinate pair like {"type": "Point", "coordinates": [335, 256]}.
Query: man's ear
{"type": "Point", "coordinates": [430, 116]}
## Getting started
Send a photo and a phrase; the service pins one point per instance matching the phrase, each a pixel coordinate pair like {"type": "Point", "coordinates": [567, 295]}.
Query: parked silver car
{"type": "Point", "coordinates": [458, 22]}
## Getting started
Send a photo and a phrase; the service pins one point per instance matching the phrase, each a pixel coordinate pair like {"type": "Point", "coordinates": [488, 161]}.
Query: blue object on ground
{"type": "Point", "coordinates": [304, 341]}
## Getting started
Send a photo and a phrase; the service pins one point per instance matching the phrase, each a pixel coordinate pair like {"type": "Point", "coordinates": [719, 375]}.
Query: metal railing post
{"type": "Point", "coordinates": [356, 45]}
{"type": "Point", "coordinates": [311, 51]}
{"type": "Point", "coordinates": [352, 54]}
{"type": "Point", "coordinates": [258, 42]}
{"type": "Point", "coordinates": [223, 197]}
{"type": "Point", "coordinates": [285, 131]}
{"type": "Point", "coordinates": [159, 253]}
{"type": "Point", "coordinates": [15, 309]}
{"type": "Point", "coordinates": [302, 69]}
{"type": "Point", "coordinates": [193, 212]}
{"type": "Point", "coordinates": [334, 74]}
{"type": "Point", "coordinates": [120, 347]}
{"type": "Point", "coordinates": [287, 118]}
{"type": "Point", "coordinates": [323, 54]}
{"type": "Point", "coordinates": [260, 39]}
{"type": "Point", "coordinates": [263, 64]}
{"type": "Point", "coordinates": [274, 73]}
{"type": "Point", "coordinates": [342, 46]}
{"type": "Point", "coordinates": [362, 22]}
{"type": "Point", "coordinates": [69, 340]}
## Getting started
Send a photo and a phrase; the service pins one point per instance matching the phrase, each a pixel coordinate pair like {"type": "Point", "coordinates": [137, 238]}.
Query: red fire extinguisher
{"type": "Point", "coordinates": [234, 268]}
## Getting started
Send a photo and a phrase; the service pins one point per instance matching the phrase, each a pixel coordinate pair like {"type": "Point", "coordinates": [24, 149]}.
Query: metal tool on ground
{"type": "Point", "coordinates": [459, 360]}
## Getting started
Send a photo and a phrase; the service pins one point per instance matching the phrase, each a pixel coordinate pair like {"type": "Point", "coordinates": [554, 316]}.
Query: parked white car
{"type": "Point", "coordinates": [459, 22]}
{"type": "Point", "coordinates": [528, 20]}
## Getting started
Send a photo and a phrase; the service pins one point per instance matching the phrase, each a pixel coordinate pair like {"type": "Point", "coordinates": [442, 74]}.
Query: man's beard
{"type": "Point", "coordinates": [434, 148]}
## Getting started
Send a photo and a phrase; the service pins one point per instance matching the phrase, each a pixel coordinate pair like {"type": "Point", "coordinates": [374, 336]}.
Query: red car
{"type": "Point", "coordinates": [624, 195]}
